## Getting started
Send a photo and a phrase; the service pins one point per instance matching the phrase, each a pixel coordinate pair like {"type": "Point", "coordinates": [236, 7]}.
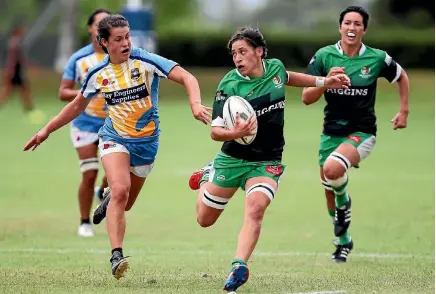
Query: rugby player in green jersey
{"type": "Point", "coordinates": [349, 131]}
{"type": "Point", "coordinates": [255, 168]}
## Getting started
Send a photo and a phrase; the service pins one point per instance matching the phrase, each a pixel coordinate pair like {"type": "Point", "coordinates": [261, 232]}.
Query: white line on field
{"type": "Point", "coordinates": [204, 252]}
{"type": "Point", "coordinates": [319, 292]}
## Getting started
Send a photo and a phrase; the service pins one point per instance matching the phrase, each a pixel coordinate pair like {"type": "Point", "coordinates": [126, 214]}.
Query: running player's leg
{"type": "Point", "coordinates": [329, 195]}
{"type": "Point", "coordinates": [213, 196]}
{"type": "Point", "coordinates": [138, 175]}
{"type": "Point", "coordinates": [84, 142]}
{"type": "Point", "coordinates": [354, 149]}
{"type": "Point", "coordinates": [327, 145]}
{"type": "Point", "coordinates": [117, 169]}
{"type": "Point", "coordinates": [5, 93]}
{"type": "Point", "coordinates": [25, 97]}
{"type": "Point", "coordinates": [211, 202]}
{"type": "Point", "coordinates": [89, 169]}
{"type": "Point", "coordinates": [260, 188]}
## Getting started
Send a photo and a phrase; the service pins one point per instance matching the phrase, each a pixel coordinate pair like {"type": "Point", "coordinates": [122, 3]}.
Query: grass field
{"type": "Point", "coordinates": [393, 209]}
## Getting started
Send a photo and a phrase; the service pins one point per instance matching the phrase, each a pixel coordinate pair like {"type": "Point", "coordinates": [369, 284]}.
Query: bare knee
{"type": "Point", "coordinates": [89, 177]}
{"type": "Point", "coordinates": [333, 170]}
{"type": "Point", "coordinates": [205, 221]}
{"type": "Point", "coordinates": [255, 213]}
{"type": "Point", "coordinates": [120, 192]}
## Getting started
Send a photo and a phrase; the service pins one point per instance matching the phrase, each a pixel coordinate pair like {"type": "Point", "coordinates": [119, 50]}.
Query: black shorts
{"type": "Point", "coordinates": [18, 79]}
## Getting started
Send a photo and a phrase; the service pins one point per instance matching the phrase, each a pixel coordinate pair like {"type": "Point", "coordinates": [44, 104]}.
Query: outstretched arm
{"type": "Point", "coordinates": [312, 94]}
{"type": "Point", "coordinates": [181, 76]}
{"type": "Point", "coordinates": [67, 114]}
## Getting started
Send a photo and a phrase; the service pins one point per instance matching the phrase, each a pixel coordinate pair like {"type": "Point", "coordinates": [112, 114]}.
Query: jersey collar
{"type": "Point", "coordinates": [339, 47]}
{"type": "Point", "coordinates": [247, 77]}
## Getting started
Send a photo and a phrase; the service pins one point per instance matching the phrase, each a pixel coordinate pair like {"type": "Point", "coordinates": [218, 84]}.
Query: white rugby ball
{"type": "Point", "coordinates": [236, 104]}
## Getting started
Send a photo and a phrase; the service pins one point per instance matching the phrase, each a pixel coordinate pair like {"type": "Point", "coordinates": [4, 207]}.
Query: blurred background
{"type": "Point", "coordinates": [192, 31]}
{"type": "Point", "coordinates": [393, 191]}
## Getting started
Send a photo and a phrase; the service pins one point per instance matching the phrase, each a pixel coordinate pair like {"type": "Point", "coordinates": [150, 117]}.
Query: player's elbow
{"type": "Point", "coordinates": [305, 98]}
{"type": "Point", "coordinates": [214, 136]}
{"type": "Point", "coordinates": [61, 95]}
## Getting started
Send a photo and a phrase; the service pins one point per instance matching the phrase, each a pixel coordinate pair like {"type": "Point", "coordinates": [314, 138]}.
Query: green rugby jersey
{"type": "Point", "coordinates": [267, 97]}
{"type": "Point", "coordinates": [352, 110]}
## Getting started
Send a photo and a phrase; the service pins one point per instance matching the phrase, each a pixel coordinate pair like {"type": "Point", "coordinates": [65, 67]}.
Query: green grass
{"type": "Point", "coordinates": [393, 209]}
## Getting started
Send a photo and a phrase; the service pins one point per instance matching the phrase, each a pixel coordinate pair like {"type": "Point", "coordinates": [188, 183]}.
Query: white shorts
{"type": "Point", "coordinates": [80, 138]}
{"type": "Point", "coordinates": [108, 147]}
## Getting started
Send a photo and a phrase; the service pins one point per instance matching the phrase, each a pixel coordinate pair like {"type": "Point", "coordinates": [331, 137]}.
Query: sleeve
{"type": "Point", "coordinates": [390, 69]}
{"type": "Point", "coordinates": [70, 70]}
{"type": "Point", "coordinates": [157, 64]}
{"type": "Point", "coordinates": [89, 88]}
{"type": "Point", "coordinates": [220, 99]}
{"type": "Point", "coordinates": [315, 66]}
{"type": "Point", "coordinates": [285, 72]}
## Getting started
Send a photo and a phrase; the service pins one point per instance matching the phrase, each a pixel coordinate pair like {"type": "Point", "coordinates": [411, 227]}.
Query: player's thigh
{"type": "Point", "coordinates": [350, 152]}
{"type": "Point", "coordinates": [211, 202]}
{"type": "Point", "coordinates": [142, 157]}
{"type": "Point", "coordinates": [327, 145]}
{"type": "Point", "coordinates": [260, 191]}
{"type": "Point", "coordinates": [262, 182]}
{"type": "Point", "coordinates": [221, 186]}
{"type": "Point", "coordinates": [116, 163]}
{"type": "Point", "coordinates": [363, 142]}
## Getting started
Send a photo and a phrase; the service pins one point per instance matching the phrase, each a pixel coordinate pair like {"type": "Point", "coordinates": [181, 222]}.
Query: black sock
{"type": "Point", "coordinates": [85, 221]}
{"type": "Point", "coordinates": [120, 250]}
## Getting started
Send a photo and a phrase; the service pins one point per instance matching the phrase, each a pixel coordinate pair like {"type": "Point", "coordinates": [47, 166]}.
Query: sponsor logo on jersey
{"type": "Point", "coordinates": [220, 96]}
{"type": "Point", "coordinates": [349, 92]}
{"type": "Point", "coordinates": [356, 139]}
{"type": "Point", "coordinates": [221, 178]}
{"type": "Point", "coordinates": [105, 82]}
{"type": "Point", "coordinates": [277, 82]}
{"type": "Point", "coordinates": [127, 95]}
{"type": "Point", "coordinates": [275, 170]}
{"type": "Point", "coordinates": [278, 105]}
{"type": "Point", "coordinates": [364, 72]}
{"type": "Point", "coordinates": [134, 74]}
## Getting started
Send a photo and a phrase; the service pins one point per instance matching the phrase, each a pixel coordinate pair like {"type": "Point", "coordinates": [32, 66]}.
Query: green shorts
{"type": "Point", "coordinates": [230, 172]}
{"type": "Point", "coordinates": [362, 141]}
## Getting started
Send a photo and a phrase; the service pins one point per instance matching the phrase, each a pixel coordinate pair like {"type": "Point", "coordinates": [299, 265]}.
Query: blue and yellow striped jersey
{"type": "Point", "coordinates": [77, 69]}
{"type": "Point", "coordinates": [131, 93]}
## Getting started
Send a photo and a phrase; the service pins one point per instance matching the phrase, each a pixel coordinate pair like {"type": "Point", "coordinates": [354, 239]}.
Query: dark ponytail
{"type": "Point", "coordinates": [253, 36]}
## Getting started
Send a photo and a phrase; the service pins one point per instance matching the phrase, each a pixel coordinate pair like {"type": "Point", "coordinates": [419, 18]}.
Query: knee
{"type": "Point", "coordinates": [255, 212]}
{"type": "Point", "coordinates": [89, 177]}
{"type": "Point", "coordinates": [205, 222]}
{"type": "Point", "coordinates": [333, 170]}
{"type": "Point", "coordinates": [120, 192]}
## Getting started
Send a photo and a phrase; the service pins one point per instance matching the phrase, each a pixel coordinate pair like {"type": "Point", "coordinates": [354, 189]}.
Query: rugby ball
{"type": "Point", "coordinates": [236, 104]}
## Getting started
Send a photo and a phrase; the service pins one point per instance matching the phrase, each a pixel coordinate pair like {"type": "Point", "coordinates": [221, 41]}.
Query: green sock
{"type": "Point", "coordinates": [344, 239]}
{"type": "Point", "coordinates": [331, 212]}
{"type": "Point", "coordinates": [341, 199]}
{"type": "Point", "coordinates": [238, 261]}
